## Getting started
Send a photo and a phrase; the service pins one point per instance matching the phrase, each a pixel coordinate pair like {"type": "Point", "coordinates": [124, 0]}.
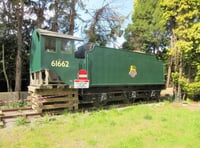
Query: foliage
{"type": "Point", "coordinates": [197, 77]}
{"type": "Point", "coordinates": [146, 33]}
{"type": "Point", "coordinates": [105, 25]}
{"type": "Point", "coordinates": [175, 77]}
{"type": "Point", "coordinates": [66, 15]}
{"type": "Point", "coordinates": [170, 24]}
{"type": "Point", "coordinates": [10, 40]}
{"type": "Point", "coordinates": [128, 127]}
{"type": "Point", "coordinates": [148, 117]}
{"type": "Point", "coordinates": [10, 53]}
{"type": "Point", "coordinates": [193, 90]}
{"type": "Point", "coordinates": [14, 104]}
{"type": "Point", "coordinates": [182, 23]}
{"type": "Point", "coordinates": [20, 121]}
{"type": "Point", "coordinates": [45, 120]}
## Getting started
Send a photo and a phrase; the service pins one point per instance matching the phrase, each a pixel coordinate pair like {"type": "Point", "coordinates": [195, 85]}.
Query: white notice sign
{"type": "Point", "coordinates": [81, 83]}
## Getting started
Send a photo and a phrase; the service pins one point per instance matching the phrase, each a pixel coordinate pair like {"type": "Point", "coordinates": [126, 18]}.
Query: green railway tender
{"type": "Point", "coordinates": [63, 76]}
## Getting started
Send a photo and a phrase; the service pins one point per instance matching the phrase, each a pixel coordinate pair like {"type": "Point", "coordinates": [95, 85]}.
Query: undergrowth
{"type": "Point", "coordinates": [20, 121]}
{"type": "Point", "coordinates": [14, 104]}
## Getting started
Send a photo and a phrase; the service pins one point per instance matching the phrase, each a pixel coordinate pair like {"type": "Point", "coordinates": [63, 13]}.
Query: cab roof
{"type": "Point", "coordinates": [56, 34]}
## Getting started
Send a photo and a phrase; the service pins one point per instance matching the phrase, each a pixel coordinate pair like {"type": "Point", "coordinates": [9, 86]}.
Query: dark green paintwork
{"type": "Point", "coordinates": [105, 66]}
{"type": "Point", "coordinates": [35, 57]}
{"type": "Point", "coordinates": [108, 67]}
{"type": "Point", "coordinates": [41, 59]}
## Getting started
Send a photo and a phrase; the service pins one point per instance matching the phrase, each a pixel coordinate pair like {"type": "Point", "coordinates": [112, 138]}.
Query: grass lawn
{"type": "Point", "coordinates": [139, 126]}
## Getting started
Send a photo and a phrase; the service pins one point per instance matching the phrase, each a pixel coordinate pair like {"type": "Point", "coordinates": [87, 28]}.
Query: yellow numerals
{"type": "Point", "coordinates": [59, 63]}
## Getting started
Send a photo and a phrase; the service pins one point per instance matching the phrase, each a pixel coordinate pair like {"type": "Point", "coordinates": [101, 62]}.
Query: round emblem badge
{"type": "Point", "coordinates": [133, 71]}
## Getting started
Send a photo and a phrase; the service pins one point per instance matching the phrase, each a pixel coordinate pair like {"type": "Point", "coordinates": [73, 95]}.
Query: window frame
{"type": "Point", "coordinates": [54, 41]}
{"type": "Point", "coordinates": [63, 43]}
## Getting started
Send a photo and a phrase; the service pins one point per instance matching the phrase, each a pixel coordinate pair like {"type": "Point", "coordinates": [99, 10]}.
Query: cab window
{"type": "Point", "coordinates": [66, 46]}
{"type": "Point", "coordinates": [50, 44]}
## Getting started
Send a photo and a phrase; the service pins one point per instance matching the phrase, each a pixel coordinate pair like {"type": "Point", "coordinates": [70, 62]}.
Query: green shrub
{"type": "Point", "coordinates": [148, 117]}
{"type": "Point", "coordinates": [66, 113]}
{"type": "Point", "coordinates": [21, 121]}
{"type": "Point", "coordinates": [193, 90]}
{"type": "Point", "coordinates": [46, 119]}
{"type": "Point", "coordinates": [166, 101]}
{"type": "Point", "coordinates": [16, 104]}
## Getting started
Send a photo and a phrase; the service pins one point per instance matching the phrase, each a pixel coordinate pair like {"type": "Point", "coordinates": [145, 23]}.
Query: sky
{"type": "Point", "coordinates": [124, 7]}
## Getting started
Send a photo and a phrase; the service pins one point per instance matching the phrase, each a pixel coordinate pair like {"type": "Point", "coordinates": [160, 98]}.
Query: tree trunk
{"type": "Point", "coordinates": [175, 61]}
{"type": "Point", "coordinates": [189, 76]}
{"type": "Point", "coordinates": [19, 15]}
{"type": "Point", "coordinates": [4, 69]}
{"type": "Point", "coordinates": [169, 71]}
{"type": "Point", "coordinates": [95, 20]}
{"type": "Point", "coordinates": [40, 17]}
{"type": "Point", "coordinates": [40, 13]}
{"type": "Point", "coordinates": [72, 17]}
{"type": "Point", "coordinates": [179, 91]}
{"type": "Point", "coordinates": [55, 19]}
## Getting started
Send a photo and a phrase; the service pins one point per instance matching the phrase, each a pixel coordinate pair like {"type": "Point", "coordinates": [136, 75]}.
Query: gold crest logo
{"type": "Point", "coordinates": [133, 71]}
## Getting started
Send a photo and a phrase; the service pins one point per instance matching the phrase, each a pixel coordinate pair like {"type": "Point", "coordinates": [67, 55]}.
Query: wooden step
{"type": "Point", "coordinates": [49, 100]}
{"type": "Point", "coordinates": [55, 106]}
{"type": "Point", "coordinates": [54, 92]}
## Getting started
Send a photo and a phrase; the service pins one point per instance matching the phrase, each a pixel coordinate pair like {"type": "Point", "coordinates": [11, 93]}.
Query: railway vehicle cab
{"type": "Point", "coordinates": [52, 58]}
{"type": "Point", "coordinates": [53, 69]}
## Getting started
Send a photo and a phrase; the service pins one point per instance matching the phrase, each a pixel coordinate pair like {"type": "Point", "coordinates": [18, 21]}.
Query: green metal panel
{"type": "Point", "coordinates": [64, 64]}
{"type": "Point", "coordinates": [111, 67]}
{"type": "Point", "coordinates": [35, 57]}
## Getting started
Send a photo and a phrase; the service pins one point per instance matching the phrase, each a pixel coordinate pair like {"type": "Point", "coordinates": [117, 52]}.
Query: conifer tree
{"type": "Point", "coordinates": [146, 33]}
{"type": "Point", "coordinates": [182, 18]}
